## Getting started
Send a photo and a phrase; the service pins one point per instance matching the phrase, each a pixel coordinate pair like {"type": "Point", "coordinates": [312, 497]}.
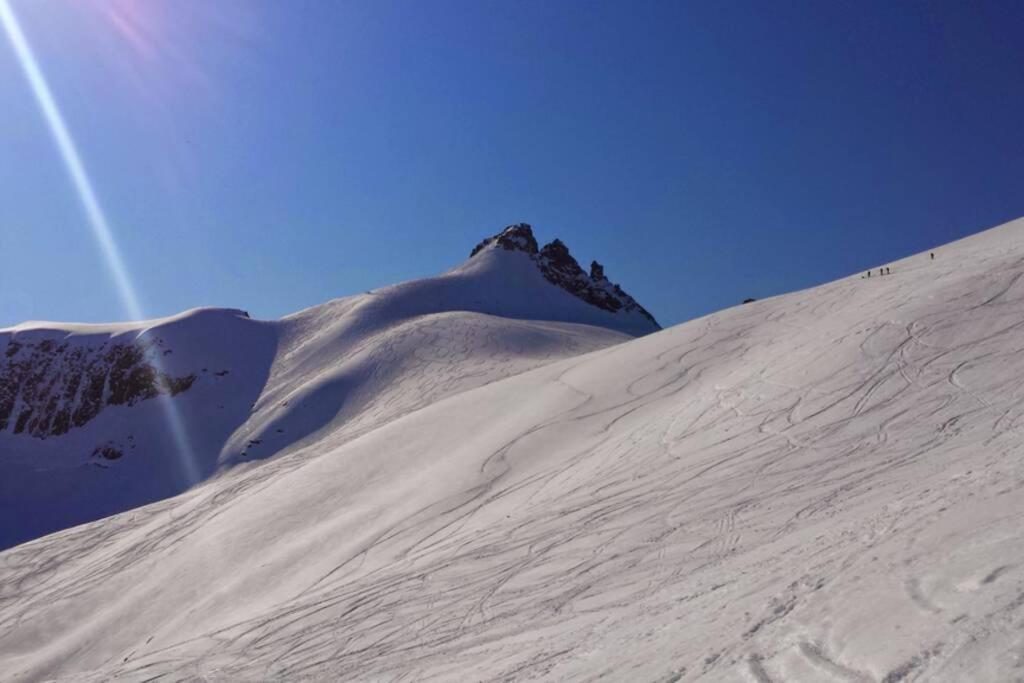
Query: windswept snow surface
{"type": "Point", "coordinates": [823, 486]}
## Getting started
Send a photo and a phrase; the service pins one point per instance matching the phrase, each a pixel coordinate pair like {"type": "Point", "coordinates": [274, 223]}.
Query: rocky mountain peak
{"type": "Point", "coordinates": [518, 237]}
{"type": "Point", "coordinates": [559, 268]}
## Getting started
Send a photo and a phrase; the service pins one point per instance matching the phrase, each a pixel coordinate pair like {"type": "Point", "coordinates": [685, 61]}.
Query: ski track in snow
{"type": "Point", "coordinates": [823, 486]}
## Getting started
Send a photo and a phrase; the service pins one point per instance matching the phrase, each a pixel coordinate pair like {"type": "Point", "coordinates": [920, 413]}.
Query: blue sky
{"type": "Point", "coordinates": [274, 155]}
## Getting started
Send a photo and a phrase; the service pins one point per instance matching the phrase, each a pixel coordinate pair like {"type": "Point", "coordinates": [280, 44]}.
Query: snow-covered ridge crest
{"type": "Point", "coordinates": [57, 377]}
{"type": "Point", "coordinates": [83, 426]}
{"type": "Point", "coordinates": [559, 268]}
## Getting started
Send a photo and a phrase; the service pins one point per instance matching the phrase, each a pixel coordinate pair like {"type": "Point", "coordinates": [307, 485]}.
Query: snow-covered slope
{"type": "Point", "coordinates": [823, 486]}
{"type": "Point", "coordinates": [89, 412]}
{"type": "Point", "coordinates": [96, 419]}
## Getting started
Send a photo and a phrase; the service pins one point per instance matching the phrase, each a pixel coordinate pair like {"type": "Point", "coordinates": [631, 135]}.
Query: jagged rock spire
{"type": "Point", "coordinates": [518, 237]}
{"type": "Point", "coordinates": [559, 268]}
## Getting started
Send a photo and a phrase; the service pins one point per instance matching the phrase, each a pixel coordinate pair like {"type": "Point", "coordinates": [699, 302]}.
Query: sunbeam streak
{"type": "Point", "coordinates": [69, 153]}
{"type": "Point", "coordinates": [96, 219]}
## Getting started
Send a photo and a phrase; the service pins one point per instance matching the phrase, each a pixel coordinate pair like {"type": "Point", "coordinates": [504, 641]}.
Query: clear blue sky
{"type": "Point", "coordinates": [274, 155]}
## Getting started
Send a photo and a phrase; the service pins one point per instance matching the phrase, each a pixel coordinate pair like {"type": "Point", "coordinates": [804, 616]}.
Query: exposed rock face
{"type": "Point", "coordinates": [561, 269]}
{"type": "Point", "coordinates": [518, 237]}
{"type": "Point", "coordinates": [48, 387]}
{"type": "Point", "coordinates": [108, 452]}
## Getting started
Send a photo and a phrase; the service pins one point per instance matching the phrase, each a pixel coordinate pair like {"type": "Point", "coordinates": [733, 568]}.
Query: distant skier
{"type": "Point", "coordinates": [869, 273]}
{"type": "Point", "coordinates": [933, 255]}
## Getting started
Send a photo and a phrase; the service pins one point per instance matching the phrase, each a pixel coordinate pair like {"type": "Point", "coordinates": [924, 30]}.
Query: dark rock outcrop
{"type": "Point", "coordinates": [108, 452]}
{"type": "Point", "coordinates": [518, 237]}
{"type": "Point", "coordinates": [48, 387]}
{"type": "Point", "coordinates": [560, 269]}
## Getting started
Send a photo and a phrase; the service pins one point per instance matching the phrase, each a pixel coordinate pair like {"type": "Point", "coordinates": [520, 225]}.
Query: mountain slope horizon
{"type": "Point", "coordinates": [99, 418]}
{"type": "Point", "coordinates": [816, 486]}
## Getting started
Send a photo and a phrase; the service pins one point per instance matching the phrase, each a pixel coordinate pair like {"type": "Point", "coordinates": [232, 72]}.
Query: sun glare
{"type": "Point", "coordinates": [94, 214]}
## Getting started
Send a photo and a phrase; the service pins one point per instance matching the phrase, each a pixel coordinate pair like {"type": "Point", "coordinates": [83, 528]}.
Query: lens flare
{"type": "Point", "coordinates": [94, 214]}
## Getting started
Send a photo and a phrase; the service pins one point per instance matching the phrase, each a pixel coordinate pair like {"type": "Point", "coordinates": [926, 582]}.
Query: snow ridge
{"type": "Point", "coordinates": [84, 434]}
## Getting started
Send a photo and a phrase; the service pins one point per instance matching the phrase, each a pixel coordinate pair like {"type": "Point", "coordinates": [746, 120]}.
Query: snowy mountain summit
{"type": "Point", "coordinates": [84, 408]}
{"type": "Point", "coordinates": [559, 268]}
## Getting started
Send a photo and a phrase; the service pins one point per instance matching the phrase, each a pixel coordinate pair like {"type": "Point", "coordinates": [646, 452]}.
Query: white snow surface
{"type": "Point", "coordinates": [822, 486]}
{"type": "Point", "coordinates": [266, 388]}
